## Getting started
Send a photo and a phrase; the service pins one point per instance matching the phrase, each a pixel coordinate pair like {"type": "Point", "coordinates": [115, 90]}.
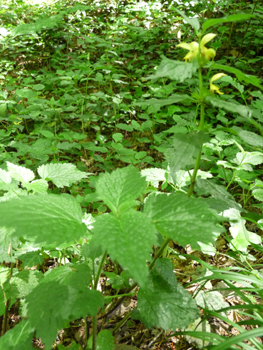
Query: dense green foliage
{"type": "Point", "coordinates": [131, 142]}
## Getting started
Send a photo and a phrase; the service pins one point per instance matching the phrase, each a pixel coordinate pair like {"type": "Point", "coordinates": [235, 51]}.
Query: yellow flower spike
{"type": "Point", "coordinates": [214, 88]}
{"type": "Point", "coordinates": [193, 48]}
{"type": "Point", "coordinates": [206, 39]}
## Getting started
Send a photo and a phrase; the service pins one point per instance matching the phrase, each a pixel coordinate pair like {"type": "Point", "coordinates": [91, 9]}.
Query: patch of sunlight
{"type": "Point", "coordinates": [39, 2]}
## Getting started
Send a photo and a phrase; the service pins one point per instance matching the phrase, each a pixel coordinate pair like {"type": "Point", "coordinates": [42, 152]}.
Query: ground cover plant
{"type": "Point", "coordinates": [131, 175]}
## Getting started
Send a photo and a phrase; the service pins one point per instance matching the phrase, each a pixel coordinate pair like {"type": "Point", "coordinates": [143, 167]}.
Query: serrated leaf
{"type": "Point", "coordinates": [19, 337]}
{"type": "Point", "coordinates": [164, 302]}
{"type": "Point", "coordinates": [249, 79]}
{"type": "Point", "coordinates": [182, 218]}
{"type": "Point", "coordinates": [127, 239]}
{"type": "Point", "coordinates": [245, 158]}
{"type": "Point", "coordinates": [192, 21]}
{"type": "Point", "coordinates": [62, 296]}
{"type": "Point", "coordinates": [154, 175]}
{"type": "Point", "coordinates": [175, 70]}
{"type": "Point", "coordinates": [25, 281]}
{"type": "Point", "coordinates": [251, 138]}
{"type": "Point", "coordinates": [31, 259]}
{"type": "Point", "coordinates": [224, 199]}
{"type": "Point", "coordinates": [20, 173]}
{"type": "Point", "coordinates": [5, 177]}
{"type": "Point", "coordinates": [232, 18]}
{"type": "Point", "coordinates": [184, 150]}
{"type": "Point", "coordinates": [61, 174]}
{"type": "Point", "coordinates": [119, 189]}
{"type": "Point", "coordinates": [242, 110]}
{"type": "Point", "coordinates": [39, 186]}
{"type": "Point", "coordinates": [46, 219]}
{"type": "Point", "coordinates": [211, 300]}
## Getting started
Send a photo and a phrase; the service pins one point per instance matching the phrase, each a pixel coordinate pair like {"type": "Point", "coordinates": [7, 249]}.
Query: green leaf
{"type": "Point", "coordinates": [7, 241]}
{"type": "Point", "coordinates": [119, 189]}
{"type": "Point", "coordinates": [63, 295]}
{"type": "Point", "coordinates": [168, 101]}
{"type": "Point", "coordinates": [223, 199]}
{"type": "Point", "coordinates": [19, 337]}
{"type": "Point", "coordinates": [241, 236]}
{"type": "Point", "coordinates": [154, 175]}
{"type": "Point", "coordinates": [61, 174]}
{"type": "Point", "coordinates": [124, 347]}
{"type": "Point", "coordinates": [258, 194]}
{"type": "Point", "coordinates": [5, 177]}
{"type": "Point", "coordinates": [192, 21]}
{"type": "Point", "coordinates": [251, 138]}
{"type": "Point", "coordinates": [128, 239]}
{"type": "Point", "coordinates": [31, 259]}
{"type": "Point", "coordinates": [244, 111]}
{"type": "Point", "coordinates": [38, 87]}
{"type": "Point", "coordinates": [249, 79]}
{"type": "Point", "coordinates": [105, 340]}
{"type": "Point", "coordinates": [125, 127]}
{"type": "Point", "coordinates": [117, 137]}
{"type": "Point", "coordinates": [46, 219]}
{"type": "Point", "coordinates": [184, 150]}
{"type": "Point", "coordinates": [175, 70]}
{"type": "Point", "coordinates": [3, 107]}
{"type": "Point", "coordinates": [164, 302]}
{"type": "Point", "coordinates": [40, 186]}
{"type": "Point", "coordinates": [25, 281]}
{"type": "Point", "coordinates": [20, 173]}
{"type": "Point", "coordinates": [182, 218]}
{"type": "Point", "coordinates": [232, 18]}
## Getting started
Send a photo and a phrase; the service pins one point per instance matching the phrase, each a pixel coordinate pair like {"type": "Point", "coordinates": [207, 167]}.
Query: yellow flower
{"type": "Point", "coordinates": [193, 48]}
{"type": "Point", "coordinates": [213, 87]}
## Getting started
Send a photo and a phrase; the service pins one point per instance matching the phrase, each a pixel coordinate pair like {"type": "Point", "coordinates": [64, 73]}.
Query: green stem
{"type": "Point", "coordinates": [96, 280]}
{"type": "Point", "coordinates": [94, 318]}
{"type": "Point", "coordinates": [201, 127]}
{"type": "Point", "coordinates": [94, 332]}
{"type": "Point", "coordinates": [160, 251]}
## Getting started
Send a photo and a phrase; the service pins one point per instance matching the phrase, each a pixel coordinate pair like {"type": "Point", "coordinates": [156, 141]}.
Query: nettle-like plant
{"type": "Point", "coordinates": [36, 223]}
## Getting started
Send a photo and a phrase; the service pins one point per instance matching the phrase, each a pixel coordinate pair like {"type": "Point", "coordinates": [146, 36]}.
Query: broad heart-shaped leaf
{"type": "Point", "coordinates": [119, 189]}
{"type": "Point", "coordinates": [61, 174]}
{"type": "Point", "coordinates": [62, 296]}
{"type": "Point", "coordinates": [192, 21]}
{"type": "Point", "coordinates": [164, 302]}
{"type": "Point", "coordinates": [128, 239]}
{"type": "Point", "coordinates": [175, 70]}
{"type": "Point", "coordinates": [249, 79]}
{"type": "Point", "coordinates": [242, 110]}
{"type": "Point", "coordinates": [184, 150]}
{"type": "Point", "coordinates": [19, 337]}
{"type": "Point", "coordinates": [183, 219]}
{"type": "Point", "coordinates": [168, 101]}
{"type": "Point", "coordinates": [232, 18]}
{"type": "Point", "coordinates": [20, 173]}
{"type": "Point", "coordinates": [48, 219]}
